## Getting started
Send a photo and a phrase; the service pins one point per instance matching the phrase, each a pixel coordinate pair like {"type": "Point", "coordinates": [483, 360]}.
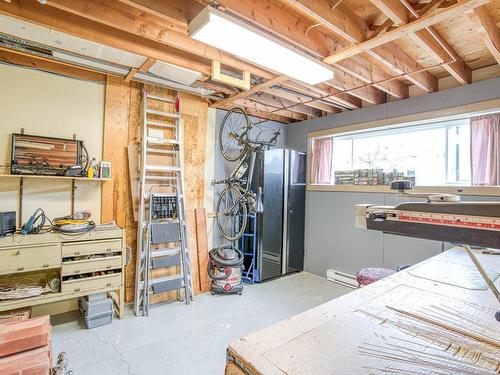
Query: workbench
{"type": "Point", "coordinates": [85, 263]}
{"type": "Point", "coordinates": [435, 317]}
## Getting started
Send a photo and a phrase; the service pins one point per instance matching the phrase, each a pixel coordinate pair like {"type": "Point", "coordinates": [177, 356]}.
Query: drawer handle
{"type": "Point", "coordinates": [45, 265]}
{"type": "Point", "coordinates": [77, 253]}
{"type": "Point", "coordinates": [108, 266]}
{"type": "Point", "coordinates": [77, 271]}
{"type": "Point", "coordinates": [18, 252]}
{"type": "Point", "coordinates": [77, 289]}
{"type": "Point", "coordinates": [20, 268]}
{"type": "Point", "coordinates": [108, 284]}
{"type": "Point", "coordinates": [108, 249]}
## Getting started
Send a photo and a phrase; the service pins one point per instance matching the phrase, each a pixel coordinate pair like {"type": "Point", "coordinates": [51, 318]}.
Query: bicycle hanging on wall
{"type": "Point", "coordinates": [237, 199]}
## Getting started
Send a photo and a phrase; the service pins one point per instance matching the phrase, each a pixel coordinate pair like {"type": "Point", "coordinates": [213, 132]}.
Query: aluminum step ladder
{"type": "Point", "coordinates": [162, 231]}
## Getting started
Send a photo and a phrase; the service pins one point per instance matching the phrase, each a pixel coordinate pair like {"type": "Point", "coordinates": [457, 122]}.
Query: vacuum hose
{"type": "Point", "coordinates": [221, 257]}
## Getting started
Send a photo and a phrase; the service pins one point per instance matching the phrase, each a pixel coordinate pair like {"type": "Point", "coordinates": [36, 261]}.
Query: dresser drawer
{"type": "Point", "coordinates": [91, 265]}
{"type": "Point", "coordinates": [91, 247]}
{"type": "Point", "coordinates": [91, 283]}
{"type": "Point", "coordinates": [29, 258]}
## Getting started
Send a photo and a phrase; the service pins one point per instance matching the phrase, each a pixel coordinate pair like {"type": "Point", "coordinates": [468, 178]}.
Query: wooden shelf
{"type": "Point", "coordinates": [69, 178]}
{"type": "Point", "coordinates": [460, 190]}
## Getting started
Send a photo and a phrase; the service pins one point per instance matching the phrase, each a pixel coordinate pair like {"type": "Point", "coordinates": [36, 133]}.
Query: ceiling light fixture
{"type": "Point", "coordinates": [229, 34]}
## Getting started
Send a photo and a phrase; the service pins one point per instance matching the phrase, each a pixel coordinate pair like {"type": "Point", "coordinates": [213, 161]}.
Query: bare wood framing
{"type": "Point", "coordinates": [224, 103]}
{"type": "Point", "coordinates": [488, 29]}
{"type": "Point", "coordinates": [132, 20]}
{"type": "Point", "coordinates": [265, 108]}
{"type": "Point", "coordinates": [412, 27]}
{"type": "Point", "coordinates": [428, 38]}
{"type": "Point", "coordinates": [354, 29]}
{"type": "Point", "coordinates": [56, 19]}
{"type": "Point", "coordinates": [273, 19]}
{"type": "Point", "coordinates": [299, 98]}
{"type": "Point", "coordinates": [217, 75]}
{"type": "Point", "coordinates": [278, 102]}
{"type": "Point", "coordinates": [42, 63]}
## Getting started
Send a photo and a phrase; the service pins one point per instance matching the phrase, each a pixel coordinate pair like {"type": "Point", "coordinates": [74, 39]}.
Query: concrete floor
{"type": "Point", "coordinates": [180, 339]}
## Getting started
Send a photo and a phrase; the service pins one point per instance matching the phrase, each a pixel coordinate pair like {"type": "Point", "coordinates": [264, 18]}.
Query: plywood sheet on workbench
{"type": "Point", "coordinates": [376, 339]}
{"type": "Point", "coordinates": [459, 275]}
{"type": "Point", "coordinates": [259, 351]}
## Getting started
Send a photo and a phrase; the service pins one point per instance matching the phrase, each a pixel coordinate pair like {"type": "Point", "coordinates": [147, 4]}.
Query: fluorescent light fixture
{"type": "Point", "coordinates": [219, 30]}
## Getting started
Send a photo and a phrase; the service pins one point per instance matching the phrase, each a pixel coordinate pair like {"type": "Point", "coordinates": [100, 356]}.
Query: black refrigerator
{"type": "Point", "coordinates": [281, 173]}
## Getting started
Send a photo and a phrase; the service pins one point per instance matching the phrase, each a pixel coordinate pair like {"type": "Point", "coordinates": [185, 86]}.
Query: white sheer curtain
{"type": "Point", "coordinates": [321, 165]}
{"type": "Point", "coordinates": [485, 149]}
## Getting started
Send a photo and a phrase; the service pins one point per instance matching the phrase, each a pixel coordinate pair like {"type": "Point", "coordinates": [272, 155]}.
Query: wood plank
{"type": "Point", "coordinates": [299, 98]}
{"type": "Point", "coordinates": [146, 65]}
{"type": "Point", "coordinates": [344, 82]}
{"type": "Point", "coordinates": [439, 48]}
{"type": "Point", "coordinates": [116, 123]}
{"type": "Point", "coordinates": [412, 27]}
{"type": "Point", "coordinates": [247, 102]}
{"type": "Point", "coordinates": [390, 57]}
{"type": "Point", "coordinates": [176, 11]}
{"type": "Point", "coordinates": [132, 20]}
{"type": "Point", "coordinates": [48, 65]}
{"type": "Point", "coordinates": [395, 10]}
{"type": "Point", "coordinates": [202, 248]}
{"type": "Point", "coordinates": [56, 19]}
{"type": "Point", "coordinates": [266, 115]}
{"type": "Point", "coordinates": [243, 94]}
{"type": "Point", "coordinates": [488, 29]}
{"type": "Point", "coordinates": [428, 38]}
{"type": "Point", "coordinates": [278, 102]}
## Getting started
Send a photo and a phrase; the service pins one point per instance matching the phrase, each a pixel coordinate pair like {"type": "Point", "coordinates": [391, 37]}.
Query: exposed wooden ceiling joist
{"type": "Point", "coordinates": [56, 19]}
{"type": "Point", "coordinates": [300, 98]}
{"type": "Point", "coordinates": [354, 30]}
{"type": "Point", "coordinates": [179, 12]}
{"type": "Point", "coordinates": [405, 30]}
{"type": "Point", "coordinates": [142, 69]}
{"type": "Point", "coordinates": [148, 26]}
{"type": "Point", "coordinates": [224, 103]}
{"type": "Point", "coordinates": [278, 102]}
{"type": "Point", "coordinates": [48, 65]}
{"type": "Point", "coordinates": [254, 104]}
{"type": "Point", "coordinates": [274, 20]}
{"type": "Point", "coordinates": [488, 29]}
{"type": "Point", "coordinates": [428, 38]}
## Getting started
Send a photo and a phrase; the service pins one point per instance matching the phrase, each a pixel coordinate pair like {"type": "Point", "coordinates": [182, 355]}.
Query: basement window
{"type": "Point", "coordinates": [441, 153]}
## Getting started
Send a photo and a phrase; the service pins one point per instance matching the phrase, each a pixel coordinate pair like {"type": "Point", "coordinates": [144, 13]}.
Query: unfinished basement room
{"type": "Point", "coordinates": [249, 187]}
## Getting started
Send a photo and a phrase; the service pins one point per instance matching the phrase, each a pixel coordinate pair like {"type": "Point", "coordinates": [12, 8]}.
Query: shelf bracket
{"type": "Point", "coordinates": [21, 190]}
{"type": "Point", "coordinates": [73, 188]}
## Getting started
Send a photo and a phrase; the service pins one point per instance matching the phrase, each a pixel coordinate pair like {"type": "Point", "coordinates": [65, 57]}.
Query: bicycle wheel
{"type": "Point", "coordinates": [231, 214]}
{"type": "Point", "coordinates": [234, 124]}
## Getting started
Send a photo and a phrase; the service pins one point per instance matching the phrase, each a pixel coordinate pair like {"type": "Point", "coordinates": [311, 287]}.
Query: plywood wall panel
{"type": "Point", "coordinates": [122, 129]}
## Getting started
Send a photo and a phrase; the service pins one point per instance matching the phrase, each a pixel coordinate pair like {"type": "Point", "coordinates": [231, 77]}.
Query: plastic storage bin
{"type": "Point", "coordinates": [96, 313]}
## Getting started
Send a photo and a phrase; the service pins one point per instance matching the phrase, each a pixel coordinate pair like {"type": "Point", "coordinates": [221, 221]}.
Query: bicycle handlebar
{"type": "Point", "coordinates": [271, 142]}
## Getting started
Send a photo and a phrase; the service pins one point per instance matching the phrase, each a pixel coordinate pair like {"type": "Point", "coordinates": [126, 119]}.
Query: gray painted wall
{"type": "Point", "coordinates": [223, 168]}
{"type": "Point", "coordinates": [332, 241]}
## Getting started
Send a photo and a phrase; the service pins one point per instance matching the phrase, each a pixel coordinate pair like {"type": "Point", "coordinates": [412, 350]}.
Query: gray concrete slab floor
{"type": "Point", "coordinates": [180, 339]}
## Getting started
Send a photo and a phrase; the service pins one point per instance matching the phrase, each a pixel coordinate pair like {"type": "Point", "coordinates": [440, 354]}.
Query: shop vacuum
{"type": "Point", "coordinates": [224, 268]}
